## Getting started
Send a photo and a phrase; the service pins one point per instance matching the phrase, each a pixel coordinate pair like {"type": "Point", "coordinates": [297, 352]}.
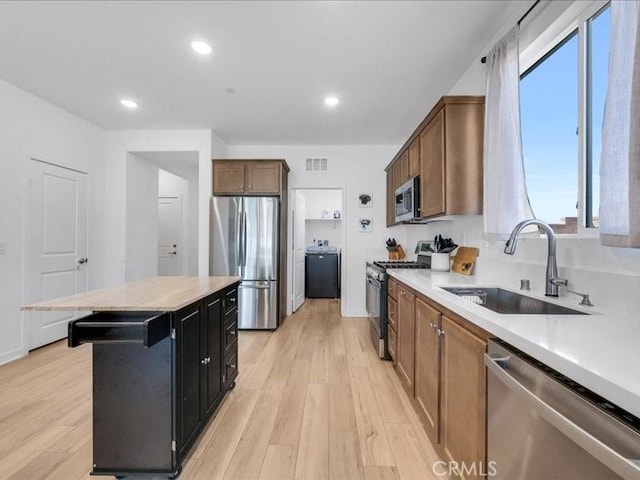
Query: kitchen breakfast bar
{"type": "Point", "coordinates": [165, 353]}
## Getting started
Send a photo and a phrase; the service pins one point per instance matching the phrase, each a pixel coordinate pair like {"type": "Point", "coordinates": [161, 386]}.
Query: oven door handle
{"type": "Point", "coordinates": [624, 467]}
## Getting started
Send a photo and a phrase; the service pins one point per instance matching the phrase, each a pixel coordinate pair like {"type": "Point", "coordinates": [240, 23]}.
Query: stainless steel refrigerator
{"type": "Point", "coordinates": [245, 242]}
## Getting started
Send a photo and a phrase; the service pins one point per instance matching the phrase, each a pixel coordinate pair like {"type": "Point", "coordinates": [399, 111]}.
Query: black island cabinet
{"type": "Point", "coordinates": [158, 377]}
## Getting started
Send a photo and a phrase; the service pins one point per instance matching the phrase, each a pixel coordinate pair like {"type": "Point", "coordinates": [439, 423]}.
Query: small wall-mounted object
{"type": "Point", "coordinates": [365, 225]}
{"type": "Point", "coordinates": [365, 200]}
{"type": "Point", "coordinates": [337, 215]}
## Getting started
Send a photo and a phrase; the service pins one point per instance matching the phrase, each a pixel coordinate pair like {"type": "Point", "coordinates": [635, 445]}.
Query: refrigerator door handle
{"type": "Point", "coordinates": [244, 239]}
{"type": "Point", "coordinates": [257, 287]}
{"type": "Point", "coordinates": [239, 244]}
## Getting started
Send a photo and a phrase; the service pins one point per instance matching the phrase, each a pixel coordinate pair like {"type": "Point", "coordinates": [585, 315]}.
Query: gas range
{"type": "Point", "coordinates": [377, 269]}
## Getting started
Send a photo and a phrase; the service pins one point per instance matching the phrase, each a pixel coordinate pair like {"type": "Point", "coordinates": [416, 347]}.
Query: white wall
{"type": "Point", "coordinates": [319, 200]}
{"type": "Point", "coordinates": [330, 230]}
{"type": "Point", "coordinates": [141, 259]}
{"type": "Point", "coordinates": [33, 128]}
{"type": "Point", "coordinates": [183, 183]}
{"type": "Point", "coordinates": [356, 169]}
{"type": "Point", "coordinates": [119, 143]}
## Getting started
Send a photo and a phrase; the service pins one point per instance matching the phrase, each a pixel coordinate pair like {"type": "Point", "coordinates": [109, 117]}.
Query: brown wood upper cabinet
{"type": "Point", "coordinates": [248, 177]}
{"type": "Point", "coordinates": [432, 165]}
{"type": "Point", "coordinates": [391, 202]}
{"type": "Point", "coordinates": [413, 160]}
{"type": "Point", "coordinates": [446, 152]}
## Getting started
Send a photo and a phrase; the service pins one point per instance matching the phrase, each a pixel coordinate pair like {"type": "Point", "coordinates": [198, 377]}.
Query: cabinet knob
{"type": "Point", "coordinates": [203, 361]}
{"type": "Point", "coordinates": [250, 187]}
{"type": "Point", "coordinates": [241, 186]}
{"type": "Point", "coordinates": [233, 365]}
{"type": "Point", "coordinates": [233, 332]}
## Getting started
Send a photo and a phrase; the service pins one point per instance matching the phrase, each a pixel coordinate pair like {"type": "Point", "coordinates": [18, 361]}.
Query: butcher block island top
{"type": "Point", "coordinates": [165, 294]}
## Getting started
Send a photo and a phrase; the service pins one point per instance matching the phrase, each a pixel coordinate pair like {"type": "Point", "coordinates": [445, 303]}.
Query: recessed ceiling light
{"type": "Point", "coordinates": [128, 103]}
{"type": "Point", "coordinates": [203, 48]}
{"type": "Point", "coordinates": [331, 101]}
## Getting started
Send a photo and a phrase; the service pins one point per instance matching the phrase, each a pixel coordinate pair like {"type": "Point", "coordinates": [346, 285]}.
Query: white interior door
{"type": "Point", "coordinates": [169, 229]}
{"type": "Point", "coordinates": [298, 248]}
{"type": "Point", "coordinates": [56, 250]}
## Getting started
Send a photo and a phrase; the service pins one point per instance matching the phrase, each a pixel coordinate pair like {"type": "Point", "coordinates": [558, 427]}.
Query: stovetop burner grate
{"type": "Point", "coordinates": [400, 264]}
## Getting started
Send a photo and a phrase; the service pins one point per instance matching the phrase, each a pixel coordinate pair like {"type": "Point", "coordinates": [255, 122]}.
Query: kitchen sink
{"type": "Point", "coordinates": [510, 303]}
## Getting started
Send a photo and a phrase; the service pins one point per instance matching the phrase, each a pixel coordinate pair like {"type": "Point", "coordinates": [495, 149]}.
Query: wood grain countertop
{"type": "Point", "coordinates": [165, 294]}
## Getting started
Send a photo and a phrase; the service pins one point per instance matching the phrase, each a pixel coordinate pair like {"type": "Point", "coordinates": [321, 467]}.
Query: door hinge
{"type": "Point", "coordinates": [173, 333]}
{"type": "Point", "coordinates": [173, 445]}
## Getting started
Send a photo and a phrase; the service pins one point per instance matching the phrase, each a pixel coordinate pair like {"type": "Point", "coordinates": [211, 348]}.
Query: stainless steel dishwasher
{"type": "Point", "coordinates": [543, 426]}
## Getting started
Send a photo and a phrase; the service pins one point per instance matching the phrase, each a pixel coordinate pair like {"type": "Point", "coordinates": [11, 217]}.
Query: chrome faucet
{"type": "Point", "coordinates": [552, 281]}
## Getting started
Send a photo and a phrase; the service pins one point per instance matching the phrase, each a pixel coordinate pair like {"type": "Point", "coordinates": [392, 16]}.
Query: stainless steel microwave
{"type": "Point", "coordinates": [407, 202]}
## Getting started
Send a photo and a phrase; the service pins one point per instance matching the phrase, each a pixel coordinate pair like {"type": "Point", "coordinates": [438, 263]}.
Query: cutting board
{"type": "Point", "coordinates": [465, 260]}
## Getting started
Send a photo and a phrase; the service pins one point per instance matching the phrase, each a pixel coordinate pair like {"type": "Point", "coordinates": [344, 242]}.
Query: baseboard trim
{"type": "Point", "coordinates": [12, 355]}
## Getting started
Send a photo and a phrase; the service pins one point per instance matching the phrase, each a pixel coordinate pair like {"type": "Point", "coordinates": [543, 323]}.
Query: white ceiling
{"type": "Point", "coordinates": [388, 62]}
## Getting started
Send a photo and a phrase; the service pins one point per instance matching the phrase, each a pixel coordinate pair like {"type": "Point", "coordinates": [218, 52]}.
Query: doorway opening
{"type": "Point", "coordinates": [162, 214]}
{"type": "Point", "coordinates": [317, 246]}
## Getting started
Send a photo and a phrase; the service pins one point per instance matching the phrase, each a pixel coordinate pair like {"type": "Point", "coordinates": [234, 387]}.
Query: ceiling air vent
{"type": "Point", "coordinates": [316, 165]}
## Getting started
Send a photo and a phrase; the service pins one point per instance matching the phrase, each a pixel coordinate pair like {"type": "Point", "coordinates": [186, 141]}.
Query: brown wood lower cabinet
{"type": "Point", "coordinates": [440, 363]}
{"type": "Point", "coordinates": [427, 371]}
{"type": "Point", "coordinates": [463, 395]}
{"type": "Point", "coordinates": [406, 331]}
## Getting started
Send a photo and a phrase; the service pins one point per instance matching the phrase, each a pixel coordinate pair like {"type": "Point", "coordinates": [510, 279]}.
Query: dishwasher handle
{"type": "Point", "coordinates": [624, 467]}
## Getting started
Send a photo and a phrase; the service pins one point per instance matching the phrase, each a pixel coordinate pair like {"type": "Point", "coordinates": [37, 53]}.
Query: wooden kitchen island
{"type": "Point", "coordinates": [165, 354]}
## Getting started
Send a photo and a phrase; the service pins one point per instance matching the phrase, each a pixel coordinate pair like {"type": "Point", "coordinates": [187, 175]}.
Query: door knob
{"type": "Point", "coordinates": [82, 261]}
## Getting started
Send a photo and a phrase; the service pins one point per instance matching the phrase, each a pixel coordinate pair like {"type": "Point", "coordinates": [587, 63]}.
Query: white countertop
{"type": "Point", "coordinates": [601, 351]}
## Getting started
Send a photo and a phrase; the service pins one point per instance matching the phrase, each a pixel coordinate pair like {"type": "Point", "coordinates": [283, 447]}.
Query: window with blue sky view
{"type": "Point", "coordinates": [550, 112]}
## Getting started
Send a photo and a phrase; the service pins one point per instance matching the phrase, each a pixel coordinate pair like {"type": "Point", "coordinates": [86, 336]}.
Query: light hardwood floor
{"type": "Point", "coordinates": [312, 401]}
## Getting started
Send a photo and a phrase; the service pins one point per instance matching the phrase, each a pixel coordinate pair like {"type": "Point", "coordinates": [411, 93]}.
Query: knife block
{"type": "Point", "coordinates": [397, 254]}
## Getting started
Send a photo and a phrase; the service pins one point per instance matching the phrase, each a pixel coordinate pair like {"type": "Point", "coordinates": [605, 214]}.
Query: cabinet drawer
{"type": "Point", "coordinates": [145, 328]}
{"type": "Point", "coordinates": [230, 370]}
{"type": "Point", "coordinates": [391, 343]}
{"type": "Point", "coordinates": [230, 302]}
{"type": "Point", "coordinates": [230, 337]}
{"type": "Point", "coordinates": [392, 313]}
{"type": "Point", "coordinates": [392, 289]}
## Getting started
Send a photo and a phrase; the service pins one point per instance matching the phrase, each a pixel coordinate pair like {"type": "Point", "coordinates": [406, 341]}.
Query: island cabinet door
{"type": "Point", "coordinates": [189, 361]}
{"type": "Point", "coordinates": [211, 388]}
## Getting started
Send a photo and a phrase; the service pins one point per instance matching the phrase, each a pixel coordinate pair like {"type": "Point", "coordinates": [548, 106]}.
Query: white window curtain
{"type": "Point", "coordinates": [505, 192]}
{"type": "Point", "coordinates": [620, 159]}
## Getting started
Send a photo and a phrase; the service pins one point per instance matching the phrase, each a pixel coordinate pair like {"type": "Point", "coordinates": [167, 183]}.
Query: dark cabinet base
{"type": "Point", "coordinates": [151, 403]}
{"type": "Point", "coordinates": [132, 408]}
